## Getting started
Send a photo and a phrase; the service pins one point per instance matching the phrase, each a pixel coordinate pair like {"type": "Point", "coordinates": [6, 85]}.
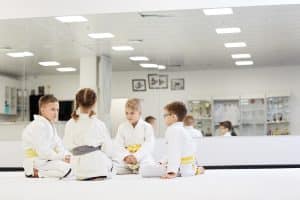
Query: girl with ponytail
{"type": "Point", "coordinates": [87, 138]}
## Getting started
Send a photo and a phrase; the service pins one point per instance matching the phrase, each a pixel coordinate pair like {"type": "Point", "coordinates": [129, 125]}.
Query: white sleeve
{"type": "Point", "coordinates": [173, 150]}
{"type": "Point", "coordinates": [68, 138]}
{"type": "Point", "coordinates": [60, 148]}
{"type": "Point", "coordinates": [107, 143]}
{"type": "Point", "coordinates": [42, 146]}
{"type": "Point", "coordinates": [119, 146]}
{"type": "Point", "coordinates": [147, 146]}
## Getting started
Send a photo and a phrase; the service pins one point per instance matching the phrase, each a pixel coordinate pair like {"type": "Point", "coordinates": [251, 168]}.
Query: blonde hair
{"type": "Point", "coordinates": [187, 120]}
{"type": "Point", "coordinates": [134, 104]}
{"type": "Point", "coordinates": [49, 98]}
{"type": "Point", "coordinates": [85, 98]}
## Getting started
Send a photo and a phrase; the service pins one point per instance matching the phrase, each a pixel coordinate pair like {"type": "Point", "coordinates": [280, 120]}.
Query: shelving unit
{"type": "Point", "coordinates": [202, 112]}
{"type": "Point", "coordinates": [250, 116]}
{"type": "Point", "coordinates": [226, 109]}
{"type": "Point", "coordinates": [253, 116]}
{"type": "Point", "coordinates": [278, 115]}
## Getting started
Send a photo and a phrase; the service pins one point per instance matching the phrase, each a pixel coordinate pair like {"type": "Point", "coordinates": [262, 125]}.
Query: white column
{"type": "Point", "coordinates": [104, 89]}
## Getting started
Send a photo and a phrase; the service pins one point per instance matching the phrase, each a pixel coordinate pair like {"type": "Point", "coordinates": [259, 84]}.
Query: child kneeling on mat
{"type": "Point", "coordinates": [180, 159]}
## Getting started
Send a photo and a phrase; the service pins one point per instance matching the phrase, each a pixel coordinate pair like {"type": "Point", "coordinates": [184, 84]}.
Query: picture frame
{"type": "Point", "coordinates": [138, 85]}
{"type": "Point", "coordinates": [158, 81]}
{"type": "Point", "coordinates": [177, 84]}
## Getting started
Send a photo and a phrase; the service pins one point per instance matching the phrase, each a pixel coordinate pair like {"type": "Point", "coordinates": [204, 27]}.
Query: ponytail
{"type": "Point", "coordinates": [74, 115]}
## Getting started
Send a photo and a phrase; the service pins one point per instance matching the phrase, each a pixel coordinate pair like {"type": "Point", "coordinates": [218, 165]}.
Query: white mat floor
{"type": "Point", "coordinates": [258, 184]}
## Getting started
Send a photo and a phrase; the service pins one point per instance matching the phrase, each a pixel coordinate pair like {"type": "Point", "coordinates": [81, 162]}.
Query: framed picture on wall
{"type": "Point", "coordinates": [139, 85]}
{"type": "Point", "coordinates": [177, 84]}
{"type": "Point", "coordinates": [153, 81]}
{"type": "Point", "coordinates": [158, 81]}
{"type": "Point", "coordinates": [163, 81]}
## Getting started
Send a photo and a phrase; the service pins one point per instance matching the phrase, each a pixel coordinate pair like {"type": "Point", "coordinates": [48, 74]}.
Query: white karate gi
{"type": "Point", "coordinates": [193, 132]}
{"type": "Point", "coordinates": [180, 154]}
{"type": "Point", "coordinates": [43, 149]}
{"type": "Point", "coordinates": [137, 141]}
{"type": "Point", "coordinates": [89, 131]}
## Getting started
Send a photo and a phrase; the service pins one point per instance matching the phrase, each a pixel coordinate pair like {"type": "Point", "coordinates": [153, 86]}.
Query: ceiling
{"type": "Point", "coordinates": [184, 38]}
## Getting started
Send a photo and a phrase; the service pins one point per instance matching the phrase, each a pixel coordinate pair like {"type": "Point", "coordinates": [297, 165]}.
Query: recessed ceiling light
{"type": "Point", "coordinates": [100, 35]}
{"type": "Point", "coordinates": [148, 65]}
{"type": "Point", "coordinates": [235, 44]}
{"type": "Point", "coordinates": [161, 67]}
{"type": "Point", "coordinates": [241, 55]}
{"type": "Point", "coordinates": [139, 58]}
{"type": "Point", "coordinates": [20, 54]}
{"type": "Point", "coordinates": [218, 11]}
{"type": "Point", "coordinates": [66, 69]}
{"type": "Point", "coordinates": [122, 48]}
{"type": "Point", "coordinates": [49, 63]}
{"type": "Point", "coordinates": [228, 30]}
{"type": "Point", "coordinates": [71, 19]}
{"type": "Point", "coordinates": [244, 62]}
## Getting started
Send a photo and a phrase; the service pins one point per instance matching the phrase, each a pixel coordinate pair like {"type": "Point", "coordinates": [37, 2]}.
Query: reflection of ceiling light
{"type": "Point", "coordinates": [244, 62]}
{"type": "Point", "coordinates": [139, 58]}
{"type": "Point", "coordinates": [71, 19]}
{"type": "Point", "coordinates": [218, 11]}
{"type": "Point", "coordinates": [122, 48]}
{"type": "Point", "coordinates": [235, 44]}
{"type": "Point", "coordinates": [148, 65]}
{"type": "Point", "coordinates": [20, 54]}
{"type": "Point", "coordinates": [66, 69]}
{"type": "Point", "coordinates": [100, 35]}
{"type": "Point", "coordinates": [228, 30]}
{"type": "Point", "coordinates": [241, 55]}
{"type": "Point", "coordinates": [49, 63]}
{"type": "Point", "coordinates": [161, 67]}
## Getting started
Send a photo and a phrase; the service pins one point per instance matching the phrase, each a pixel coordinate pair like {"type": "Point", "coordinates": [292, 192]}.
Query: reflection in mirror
{"type": "Point", "coordinates": [234, 68]}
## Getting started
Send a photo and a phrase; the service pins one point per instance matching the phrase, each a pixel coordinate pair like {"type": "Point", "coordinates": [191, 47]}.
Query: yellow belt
{"type": "Point", "coordinates": [187, 160]}
{"type": "Point", "coordinates": [133, 148]}
{"type": "Point", "coordinates": [31, 153]}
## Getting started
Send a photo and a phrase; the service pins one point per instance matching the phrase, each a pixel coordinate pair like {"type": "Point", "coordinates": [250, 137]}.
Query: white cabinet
{"type": "Point", "coordinates": [250, 116]}
{"type": "Point", "coordinates": [8, 95]}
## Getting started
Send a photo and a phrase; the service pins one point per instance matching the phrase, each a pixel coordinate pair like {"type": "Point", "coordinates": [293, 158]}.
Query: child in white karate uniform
{"type": "Point", "coordinates": [45, 155]}
{"type": "Point", "coordinates": [189, 123]}
{"type": "Point", "coordinates": [87, 138]}
{"type": "Point", "coordinates": [134, 141]}
{"type": "Point", "coordinates": [180, 159]}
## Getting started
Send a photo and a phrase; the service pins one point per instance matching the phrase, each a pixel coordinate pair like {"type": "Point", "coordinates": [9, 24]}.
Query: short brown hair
{"type": "Point", "coordinates": [134, 104]}
{"type": "Point", "coordinates": [49, 98]}
{"type": "Point", "coordinates": [86, 98]}
{"type": "Point", "coordinates": [149, 119]}
{"type": "Point", "coordinates": [178, 108]}
{"type": "Point", "coordinates": [188, 119]}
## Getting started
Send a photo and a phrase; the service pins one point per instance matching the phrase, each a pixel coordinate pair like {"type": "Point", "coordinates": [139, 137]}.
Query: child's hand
{"type": "Point", "coordinates": [130, 160]}
{"type": "Point", "coordinates": [169, 175]}
{"type": "Point", "coordinates": [67, 159]}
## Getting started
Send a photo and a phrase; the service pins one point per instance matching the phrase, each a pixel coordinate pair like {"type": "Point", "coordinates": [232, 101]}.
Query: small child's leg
{"type": "Point", "coordinates": [156, 170]}
{"type": "Point", "coordinates": [54, 169]}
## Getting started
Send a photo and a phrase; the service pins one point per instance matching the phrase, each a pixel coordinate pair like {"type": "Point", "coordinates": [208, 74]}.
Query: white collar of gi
{"type": "Point", "coordinates": [227, 134]}
{"type": "Point", "coordinates": [177, 124]}
{"type": "Point", "coordinates": [85, 115]}
{"type": "Point", "coordinates": [41, 118]}
{"type": "Point", "coordinates": [189, 127]}
{"type": "Point", "coordinates": [137, 124]}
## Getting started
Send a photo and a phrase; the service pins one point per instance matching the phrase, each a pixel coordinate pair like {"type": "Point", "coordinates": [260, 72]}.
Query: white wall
{"type": "Point", "coordinates": [64, 86]}
{"type": "Point", "coordinates": [220, 83]}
